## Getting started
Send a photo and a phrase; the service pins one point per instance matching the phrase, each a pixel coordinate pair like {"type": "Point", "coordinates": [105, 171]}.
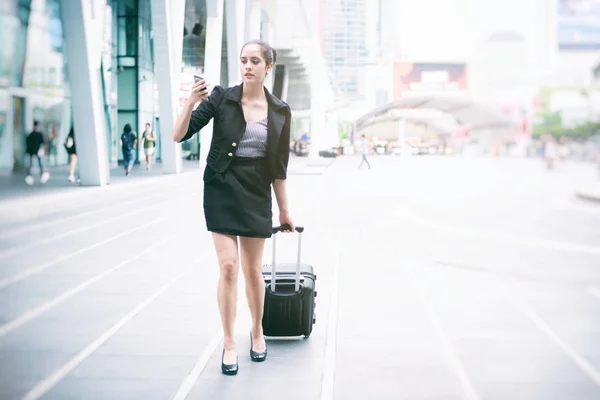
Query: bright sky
{"type": "Point", "coordinates": [448, 30]}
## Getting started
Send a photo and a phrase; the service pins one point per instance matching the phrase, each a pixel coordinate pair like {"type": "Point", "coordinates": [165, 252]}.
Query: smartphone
{"type": "Point", "coordinates": [198, 78]}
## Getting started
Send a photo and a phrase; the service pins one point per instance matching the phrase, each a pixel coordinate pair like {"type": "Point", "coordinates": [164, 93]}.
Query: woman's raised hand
{"type": "Point", "coordinates": [199, 91]}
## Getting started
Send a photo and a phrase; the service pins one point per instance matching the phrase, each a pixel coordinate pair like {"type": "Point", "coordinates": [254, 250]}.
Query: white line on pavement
{"type": "Point", "coordinates": [454, 358]}
{"type": "Point", "coordinates": [545, 328]}
{"type": "Point", "coordinates": [28, 272]}
{"type": "Point", "coordinates": [87, 227]}
{"type": "Point", "coordinates": [54, 222]}
{"type": "Point", "coordinates": [55, 377]}
{"type": "Point", "coordinates": [584, 208]}
{"type": "Point", "coordinates": [190, 380]}
{"type": "Point", "coordinates": [192, 377]}
{"type": "Point", "coordinates": [594, 291]}
{"type": "Point", "coordinates": [506, 237]}
{"type": "Point", "coordinates": [42, 308]}
{"type": "Point", "coordinates": [328, 383]}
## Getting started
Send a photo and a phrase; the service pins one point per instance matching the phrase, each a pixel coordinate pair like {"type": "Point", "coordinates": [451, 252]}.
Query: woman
{"type": "Point", "coordinates": [128, 145]}
{"type": "Point", "coordinates": [72, 152]}
{"type": "Point", "coordinates": [249, 152]}
{"type": "Point", "coordinates": [149, 138]}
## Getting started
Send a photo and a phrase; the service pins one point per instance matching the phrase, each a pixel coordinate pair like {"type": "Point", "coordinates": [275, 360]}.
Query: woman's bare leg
{"type": "Point", "coordinates": [72, 165]}
{"type": "Point", "coordinates": [251, 251]}
{"type": "Point", "coordinates": [227, 253]}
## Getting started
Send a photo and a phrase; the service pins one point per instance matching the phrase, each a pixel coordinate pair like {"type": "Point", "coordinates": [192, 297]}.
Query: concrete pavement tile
{"type": "Point", "coordinates": [15, 388]}
{"type": "Point", "coordinates": [314, 347]}
{"type": "Point", "coordinates": [28, 339]}
{"type": "Point", "coordinates": [75, 388]}
{"type": "Point", "coordinates": [517, 346]}
{"type": "Point", "coordinates": [132, 280]}
{"type": "Point", "coordinates": [156, 343]}
{"type": "Point", "coordinates": [12, 306]}
{"type": "Point", "coordinates": [10, 243]}
{"type": "Point", "coordinates": [147, 322]}
{"type": "Point", "coordinates": [385, 308]}
{"type": "Point", "coordinates": [391, 353]}
{"type": "Point", "coordinates": [366, 380]}
{"type": "Point", "coordinates": [389, 329]}
{"type": "Point", "coordinates": [541, 390]}
{"type": "Point", "coordinates": [97, 304]}
{"type": "Point", "coordinates": [30, 364]}
{"type": "Point", "coordinates": [490, 329]}
{"type": "Point", "coordinates": [524, 369]}
{"type": "Point", "coordinates": [42, 285]}
{"type": "Point", "coordinates": [134, 367]}
{"type": "Point", "coordinates": [233, 388]}
{"type": "Point", "coordinates": [293, 359]}
{"type": "Point", "coordinates": [10, 268]}
{"type": "Point", "coordinates": [306, 369]}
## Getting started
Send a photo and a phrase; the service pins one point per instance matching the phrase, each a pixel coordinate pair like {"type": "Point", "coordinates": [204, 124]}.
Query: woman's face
{"type": "Point", "coordinates": [253, 66]}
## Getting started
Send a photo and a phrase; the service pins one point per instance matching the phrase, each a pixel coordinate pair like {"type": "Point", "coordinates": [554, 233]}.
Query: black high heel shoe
{"type": "Point", "coordinates": [255, 355]}
{"type": "Point", "coordinates": [228, 369]}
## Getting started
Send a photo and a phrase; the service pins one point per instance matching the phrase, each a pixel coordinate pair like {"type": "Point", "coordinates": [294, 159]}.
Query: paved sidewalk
{"type": "Point", "coordinates": [14, 186]}
{"type": "Point", "coordinates": [19, 200]}
{"type": "Point", "coordinates": [592, 193]}
{"type": "Point", "coordinates": [438, 278]}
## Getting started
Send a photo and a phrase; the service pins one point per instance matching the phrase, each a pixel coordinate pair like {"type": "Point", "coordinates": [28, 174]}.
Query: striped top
{"type": "Point", "coordinates": [254, 141]}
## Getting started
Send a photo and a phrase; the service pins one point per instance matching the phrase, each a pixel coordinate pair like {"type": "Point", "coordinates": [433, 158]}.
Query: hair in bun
{"type": "Point", "coordinates": [269, 53]}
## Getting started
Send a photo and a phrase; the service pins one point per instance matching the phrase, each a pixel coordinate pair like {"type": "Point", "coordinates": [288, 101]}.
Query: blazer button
{"type": "Point", "coordinates": [234, 144]}
{"type": "Point", "coordinates": [230, 154]}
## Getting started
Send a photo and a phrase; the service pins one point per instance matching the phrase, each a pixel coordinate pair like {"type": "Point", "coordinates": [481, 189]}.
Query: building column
{"type": "Point", "coordinates": [236, 25]}
{"type": "Point", "coordinates": [285, 84]}
{"type": "Point", "coordinates": [167, 17]}
{"type": "Point", "coordinates": [321, 95]}
{"type": "Point", "coordinates": [266, 34]}
{"type": "Point", "coordinates": [253, 20]}
{"type": "Point", "coordinates": [212, 64]}
{"type": "Point", "coordinates": [83, 24]}
{"type": "Point", "coordinates": [318, 103]}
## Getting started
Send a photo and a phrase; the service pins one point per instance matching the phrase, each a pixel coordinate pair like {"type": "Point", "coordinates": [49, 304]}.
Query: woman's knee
{"type": "Point", "coordinates": [253, 273]}
{"type": "Point", "coordinates": [229, 269]}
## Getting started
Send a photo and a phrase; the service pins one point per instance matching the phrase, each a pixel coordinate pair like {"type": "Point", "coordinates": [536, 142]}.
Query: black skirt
{"type": "Point", "coordinates": [238, 201]}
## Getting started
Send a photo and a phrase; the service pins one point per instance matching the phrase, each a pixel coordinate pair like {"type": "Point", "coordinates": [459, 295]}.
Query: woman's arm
{"type": "Point", "coordinates": [280, 189]}
{"type": "Point", "coordinates": [190, 121]}
{"type": "Point", "coordinates": [182, 123]}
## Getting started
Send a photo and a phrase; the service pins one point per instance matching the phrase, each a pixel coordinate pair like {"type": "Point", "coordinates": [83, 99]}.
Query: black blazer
{"type": "Point", "coordinates": [225, 106]}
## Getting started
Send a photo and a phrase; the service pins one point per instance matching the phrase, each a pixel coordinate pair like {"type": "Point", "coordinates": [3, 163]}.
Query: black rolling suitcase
{"type": "Point", "coordinates": [290, 297]}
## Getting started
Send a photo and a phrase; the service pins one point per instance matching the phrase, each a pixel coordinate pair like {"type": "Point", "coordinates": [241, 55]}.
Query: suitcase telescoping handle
{"type": "Point", "coordinates": [281, 228]}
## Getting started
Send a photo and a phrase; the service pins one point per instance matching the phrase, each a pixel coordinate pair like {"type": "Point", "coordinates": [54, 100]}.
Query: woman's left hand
{"type": "Point", "coordinates": [286, 219]}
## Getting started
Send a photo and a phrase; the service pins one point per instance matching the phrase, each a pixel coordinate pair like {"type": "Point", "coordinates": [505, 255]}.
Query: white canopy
{"type": "Point", "coordinates": [466, 111]}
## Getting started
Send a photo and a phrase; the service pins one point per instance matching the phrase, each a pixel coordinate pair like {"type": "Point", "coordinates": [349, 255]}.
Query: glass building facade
{"type": "Point", "coordinates": [344, 45]}
{"type": "Point", "coordinates": [34, 78]}
{"type": "Point", "coordinates": [34, 74]}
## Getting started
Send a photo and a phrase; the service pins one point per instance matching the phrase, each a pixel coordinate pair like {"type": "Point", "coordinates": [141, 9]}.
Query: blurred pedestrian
{"type": "Point", "coordinates": [35, 148]}
{"type": "Point", "coordinates": [72, 152]}
{"type": "Point", "coordinates": [149, 138]}
{"type": "Point", "coordinates": [53, 147]}
{"type": "Point", "coordinates": [550, 152]}
{"type": "Point", "coordinates": [364, 146]}
{"type": "Point", "coordinates": [247, 158]}
{"type": "Point", "coordinates": [128, 145]}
